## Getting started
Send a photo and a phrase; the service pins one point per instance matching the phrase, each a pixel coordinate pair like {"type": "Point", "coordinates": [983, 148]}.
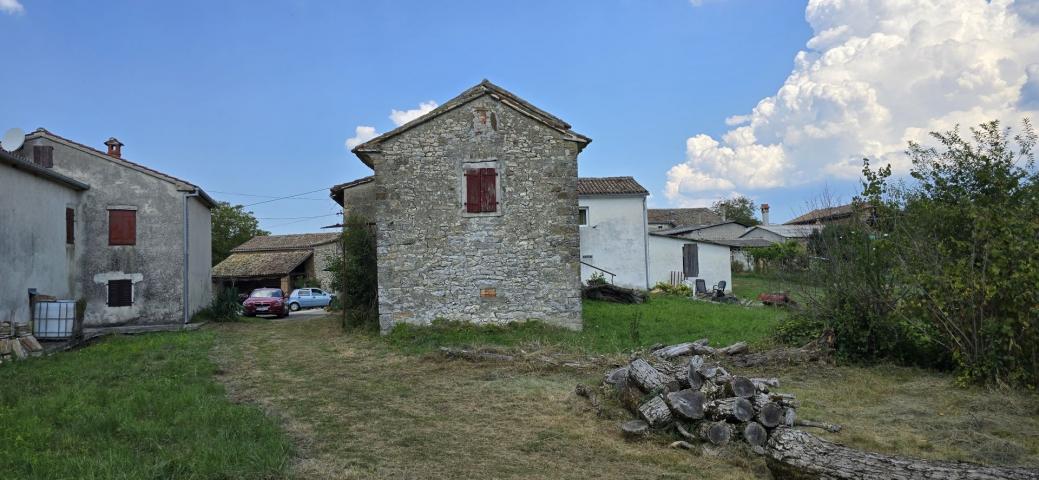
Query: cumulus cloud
{"type": "Point", "coordinates": [874, 75]}
{"type": "Point", "coordinates": [400, 117]}
{"type": "Point", "coordinates": [11, 7]}
{"type": "Point", "coordinates": [362, 134]}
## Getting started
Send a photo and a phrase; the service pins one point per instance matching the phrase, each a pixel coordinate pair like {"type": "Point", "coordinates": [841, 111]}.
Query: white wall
{"type": "Point", "coordinates": [33, 251]}
{"type": "Point", "coordinates": [200, 256]}
{"type": "Point", "coordinates": [665, 256]}
{"type": "Point", "coordinates": [764, 234]}
{"type": "Point", "coordinates": [615, 238]}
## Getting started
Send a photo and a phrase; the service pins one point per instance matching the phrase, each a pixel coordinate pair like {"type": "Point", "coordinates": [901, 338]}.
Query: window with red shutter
{"type": "Point", "coordinates": [472, 190]}
{"type": "Point", "coordinates": [70, 226]}
{"type": "Point", "coordinates": [122, 227]}
{"type": "Point", "coordinates": [481, 190]}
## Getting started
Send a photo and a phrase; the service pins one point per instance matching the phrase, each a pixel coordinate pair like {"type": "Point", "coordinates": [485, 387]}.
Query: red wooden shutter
{"type": "Point", "coordinates": [122, 227]}
{"type": "Point", "coordinates": [472, 190]}
{"type": "Point", "coordinates": [70, 226]}
{"type": "Point", "coordinates": [489, 190]}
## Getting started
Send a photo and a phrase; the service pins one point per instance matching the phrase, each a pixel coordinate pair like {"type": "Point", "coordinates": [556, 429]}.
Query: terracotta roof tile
{"type": "Point", "coordinates": [683, 217]}
{"type": "Point", "coordinates": [609, 186]}
{"type": "Point", "coordinates": [299, 241]}
{"type": "Point", "coordinates": [260, 264]}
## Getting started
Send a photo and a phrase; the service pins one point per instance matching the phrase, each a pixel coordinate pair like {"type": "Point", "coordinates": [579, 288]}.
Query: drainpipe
{"type": "Point", "coordinates": [187, 249]}
{"type": "Point", "coordinates": [645, 238]}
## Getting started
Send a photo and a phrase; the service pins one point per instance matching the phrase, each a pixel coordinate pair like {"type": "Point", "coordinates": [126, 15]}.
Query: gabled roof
{"type": "Point", "coordinates": [483, 88]}
{"type": "Point", "coordinates": [693, 228]}
{"type": "Point", "coordinates": [691, 240]}
{"type": "Point", "coordinates": [336, 192]}
{"type": "Point", "coordinates": [683, 217]}
{"type": "Point", "coordinates": [609, 186]}
{"type": "Point", "coordinates": [19, 163]}
{"type": "Point", "coordinates": [260, 264]}
{"type": "Point", "coordinates": [182, 185]}
{"type": "Point", "coordinates": [786, 231]}
{"type": "Point", "coordinates": [298, 241]}
{"type": "Point", "coordinates": [823, 214]}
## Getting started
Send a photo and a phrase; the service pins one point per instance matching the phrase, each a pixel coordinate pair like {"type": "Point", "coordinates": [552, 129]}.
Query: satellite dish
{"type": "Point", "coordinates": [13, 139]}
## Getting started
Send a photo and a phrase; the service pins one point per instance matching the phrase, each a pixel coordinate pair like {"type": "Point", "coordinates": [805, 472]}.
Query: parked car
{"type": "Point", "coordinates": [308, 298]}
{"type": "Point", "coordinates": [266, 301]}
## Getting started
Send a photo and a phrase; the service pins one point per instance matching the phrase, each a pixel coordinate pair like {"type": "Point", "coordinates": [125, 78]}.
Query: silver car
{"type": "Point", "coordinates": [308, 298]}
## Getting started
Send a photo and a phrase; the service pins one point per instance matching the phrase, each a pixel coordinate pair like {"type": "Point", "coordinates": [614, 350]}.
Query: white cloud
{"type": "Point", "coordinates": [361, 134]}
{"type": "Point", "coordinates": [11, 7]}
{"type": "Point", "coordinates": [400, 117]}
{"type": "Point", "coordinates": [874, 75]}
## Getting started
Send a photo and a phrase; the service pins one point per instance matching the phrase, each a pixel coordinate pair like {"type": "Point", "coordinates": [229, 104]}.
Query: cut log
{"type": "Point", "coordinates": [829, 427]}
{"type": "Point", "coordinates": [695, 363]}
{"type": "Point", "coordinates": [794, 454]}
{"type": "Point", "coordinates": [475, 356]}
{"type": "Point", "coordinates": [655, 412]}
{"type": "Point", "coordinates": [695, 379]}
{"type": "Point", "coordinates": [755, 434]}
{"type": "Point", "coordinates": [647, 378]}
{"type": "Point", "coordinates": [635, 428]}
{"type": "Point", "coordinates": [675, 350]}
{"type": "Point", "coordinates": [770, 415]}
{"type": "Point", "coordinates": [717, 433]}
{"type": "Point", "coordinates": [790, 416]}
{"type": "Point", "coordinates": [711, 390]}
{"type": "Point", "coordinates": [734, 349]}
{"type": "Point", "coordinates": [733, 409]}
{"type": "Point", "coordinates": [687, 403]}
{"type": "Point", "coordinates": [741, 387]}
{"type": "Point", "coordinates": [612, 293]}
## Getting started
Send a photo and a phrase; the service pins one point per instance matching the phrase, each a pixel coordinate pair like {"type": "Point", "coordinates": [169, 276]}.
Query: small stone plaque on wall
{"type": "Point", "coordinates": [488, 292]}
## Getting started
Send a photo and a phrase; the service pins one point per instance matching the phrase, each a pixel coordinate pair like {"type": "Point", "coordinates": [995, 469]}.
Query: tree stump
{"type": "Point", "coordinates": [733, 409]}
{"type": "Point", "coordinates": [687, 403]}
{"type": "Point", "coordinates": [794, 454]}
{"type": "Point", "coordinates": [771, 415]}
{"type": "Point", "coordinates": [717, 433]}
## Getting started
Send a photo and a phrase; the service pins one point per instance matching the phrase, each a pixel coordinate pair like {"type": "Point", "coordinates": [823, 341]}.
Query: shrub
{"type": "Point", "coordinates": [223, 308]}
{"type": "Point", "coordinates": [597, 278]}
{"type": "Point", "coordinates": [355, 274]}
{"type": "Point", "coordinates": [668, 289]}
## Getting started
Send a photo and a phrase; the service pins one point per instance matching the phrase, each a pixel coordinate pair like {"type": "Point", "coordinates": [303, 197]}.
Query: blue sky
{"type": "Point", "coordinates": [258, 97]}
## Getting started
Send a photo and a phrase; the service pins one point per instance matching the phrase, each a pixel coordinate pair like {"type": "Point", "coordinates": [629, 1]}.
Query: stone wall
{"type": "Point", "coordinates": [435, 261]}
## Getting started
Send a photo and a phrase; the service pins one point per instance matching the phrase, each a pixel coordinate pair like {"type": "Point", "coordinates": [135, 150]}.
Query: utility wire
{"type": "Point", "coordinates": [298, 218]}
{"type": "Point", "coordinates": [263, 196]}
{"type": "Point", "coordinates": [286, 197]}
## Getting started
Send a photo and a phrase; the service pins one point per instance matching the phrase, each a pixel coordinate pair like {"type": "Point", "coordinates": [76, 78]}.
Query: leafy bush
{"type": "Point", "coordinates": [737, 267]}
{"type": "Point", "coordinates": [787, 256]}
{"type": "Point", "coordinates": [355, 274]}
{"type": "Point", "coordinates": [798, 330]}
{"type": "Point", "coordinates": [223, 308]}
{"type": "Point", "coordinates": [597, 278]}
{"type": "Point", "coordinates": [668, 289]}
{"type": "Point", "coordinates": [942, 271]}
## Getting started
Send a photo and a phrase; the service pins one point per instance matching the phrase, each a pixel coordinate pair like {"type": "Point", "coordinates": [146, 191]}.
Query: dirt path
{"type": "Point", "coordinates": [359, 410]}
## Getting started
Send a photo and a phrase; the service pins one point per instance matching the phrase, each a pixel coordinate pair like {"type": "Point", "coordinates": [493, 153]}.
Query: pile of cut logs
{"type": "Point", "coordinates": [701, 400]}
{"type": "Point", "coordinates": [682, 388]}
{"type": "Point", "coordinates": [17, 342]}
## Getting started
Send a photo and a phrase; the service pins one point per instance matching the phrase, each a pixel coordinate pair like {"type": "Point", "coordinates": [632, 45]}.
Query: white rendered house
{"type": "Point", "coordinates": [613, 230]}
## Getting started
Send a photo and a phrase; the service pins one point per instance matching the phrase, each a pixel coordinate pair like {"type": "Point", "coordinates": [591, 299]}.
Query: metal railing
{"type": "Point", "coordinates": [611, 274]}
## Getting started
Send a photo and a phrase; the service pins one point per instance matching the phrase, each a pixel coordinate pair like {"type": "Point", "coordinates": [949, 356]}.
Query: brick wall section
{"type": "Point", "coordinates": [434, 261]}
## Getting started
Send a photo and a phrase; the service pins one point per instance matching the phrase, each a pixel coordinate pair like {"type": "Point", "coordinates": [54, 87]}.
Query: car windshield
{"type": "Point", "coordinates": [266, 293]}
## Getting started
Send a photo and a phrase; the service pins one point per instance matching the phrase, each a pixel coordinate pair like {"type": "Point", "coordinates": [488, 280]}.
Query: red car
{"type": "Point", "coordinates": [266, 301]}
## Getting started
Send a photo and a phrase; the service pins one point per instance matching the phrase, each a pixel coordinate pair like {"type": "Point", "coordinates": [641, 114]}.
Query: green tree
{"type": "Point", "coordinates": [232, 226]}
{"type": "Point", "coordinates": [355, 274]}
{"type": "Point", "coordinates": [739, 208]}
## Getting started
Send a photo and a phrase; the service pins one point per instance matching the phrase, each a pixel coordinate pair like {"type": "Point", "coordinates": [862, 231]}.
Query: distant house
{"type": "Point", "coordinates": [475, 208]}
{"type": "Point", "coordinates": [681, 260]}
{"type": "Point", "coordinates": [714, 231]}
{"type": "Point", "coordinates": [667, 218]}
{"type": "Point", "coordinates": [612, 219]}
{"type": "Point", "coordinates": [355, 196]}
{"type": "Point", "coordinates": [278, 261]}
{"type": "Point", "coordinates": [780, 233]}
{"type": "Point", "coordinates": [830, 215]}
{"type": "Point", "coordinates": [135, 242]}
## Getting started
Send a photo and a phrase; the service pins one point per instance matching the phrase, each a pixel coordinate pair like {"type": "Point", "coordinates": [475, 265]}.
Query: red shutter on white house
{"type": "Point", "coordinates": [122, 227]}
{"type": "Point", "coordinates": [70, 226]}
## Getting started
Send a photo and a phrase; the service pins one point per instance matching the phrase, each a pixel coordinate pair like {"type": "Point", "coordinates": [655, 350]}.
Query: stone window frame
{"type": "Point", "coordinates": [498, 167]}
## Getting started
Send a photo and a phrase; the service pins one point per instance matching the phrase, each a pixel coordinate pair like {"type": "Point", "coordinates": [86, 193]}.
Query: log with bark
{"type": "Point", "coordinates": [717, 433]}
{"type": "Point", "coordinates": [655, 412]}
{"type": "Point", "coordinates": [740, 387]}
{"type": "Point", "coordinates": [613, 293]}
{"type": "Point", "coordinates": [687, 403]}
{"type": "Point", "coordinates": [645, 376]}
{"type": "Point", "coordinates": [795, 454]}
{"type": "Point", "coordinates": [755, 434]}
{"type": "Point", "coordinates": [634, 428]}
{"type": "Point", "coordinates": [734, 409]}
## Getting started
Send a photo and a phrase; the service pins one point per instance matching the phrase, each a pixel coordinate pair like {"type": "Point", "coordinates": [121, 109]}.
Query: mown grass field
{"type": "Point", "coordinates": [132, 407]}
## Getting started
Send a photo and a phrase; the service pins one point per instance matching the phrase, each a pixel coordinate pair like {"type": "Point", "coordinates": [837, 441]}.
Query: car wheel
{"type": "Point", "coordinates": [294, 307]}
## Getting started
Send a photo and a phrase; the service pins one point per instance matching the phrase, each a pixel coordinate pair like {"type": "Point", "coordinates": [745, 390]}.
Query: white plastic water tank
{"type": "Point", "coordinates": [54, 319]}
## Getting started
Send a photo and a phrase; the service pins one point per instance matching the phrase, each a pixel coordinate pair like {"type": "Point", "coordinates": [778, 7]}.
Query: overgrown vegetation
{"type": "Point", "coordinates": [681, 290]}
{"type": "Point", "coordinates": [739, 208]}
{"type": "Point", "coordinates": [942, 270]}
{"type": "Point", "coordinates": [788, 257]}
{"type": "Point", "coordinates": [132, 407]}
{"type": "Point", "coordinates": [223, 308]}
{"type": "Point", "coordinates": [231, 227]}
{"type": "Point", "coordinates": [355, 274]}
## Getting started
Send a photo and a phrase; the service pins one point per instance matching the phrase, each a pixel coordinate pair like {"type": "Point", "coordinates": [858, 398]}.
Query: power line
{"type": "Point", "coordinates": [298, 218]}
{"type": "Point", "coordinates": [264, 196]}
{"type": "Point", "coordinates": [288, 223]}
{"type": "Point", "coordinates": [286, 197]}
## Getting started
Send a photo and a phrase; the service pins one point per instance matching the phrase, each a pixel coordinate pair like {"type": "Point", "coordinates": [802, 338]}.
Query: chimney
{"type": "Point", "coordinates": [115, 147]}
{"type": "Point", "coordinates": [764, 214]}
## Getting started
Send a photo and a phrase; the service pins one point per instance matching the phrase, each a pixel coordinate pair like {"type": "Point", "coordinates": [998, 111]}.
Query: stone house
{"type": "Point", "coordinates": [612, 220]}
{"type": "Point", "coordinates": [139, 248]}
{"type": "Point", "coordinates": [278, 261]}
{"type": "Point", "coordinates": [668, 218]}
{"type": "Point", "coordinates": [475, 211]}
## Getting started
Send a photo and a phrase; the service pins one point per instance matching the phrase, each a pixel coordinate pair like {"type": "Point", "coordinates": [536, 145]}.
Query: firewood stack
{"type": "Point", "coordinates": [679, 387]}
{"type": "Point", "coordinates": [17, 342]}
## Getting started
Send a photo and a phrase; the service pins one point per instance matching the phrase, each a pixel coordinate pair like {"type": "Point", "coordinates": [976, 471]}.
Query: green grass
{"type": "Point", "coordinates": [132, 407]}
{"type": "Point", "coordinates": [750, 285]}
{"type": "Point", "coordinates": [608, 328]}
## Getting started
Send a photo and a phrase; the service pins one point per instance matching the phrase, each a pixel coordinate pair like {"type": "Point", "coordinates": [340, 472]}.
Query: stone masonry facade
{"type": "Point", "coordinates": [436, 260]}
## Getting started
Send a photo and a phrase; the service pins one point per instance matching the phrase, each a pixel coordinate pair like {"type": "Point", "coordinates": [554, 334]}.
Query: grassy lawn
{"type": "Point", "coordinates": [132, 407]}
{"type": "Point", "coordinates": [750, 285]}
{"type": "Point", "coordinates": [609, 328]}
{"type": "Point", "coordinates": [361, 407]}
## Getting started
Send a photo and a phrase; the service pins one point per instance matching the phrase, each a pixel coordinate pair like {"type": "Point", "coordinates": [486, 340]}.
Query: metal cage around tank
{"type": "Point", "coordinates": [54, 319]}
